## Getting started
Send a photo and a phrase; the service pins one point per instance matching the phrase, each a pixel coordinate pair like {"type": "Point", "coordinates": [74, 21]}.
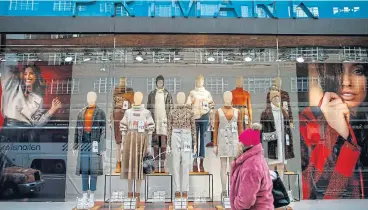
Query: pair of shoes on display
{"type": "Point", "coordinates": [183, 194]}
{"type": "Point", "coordinates": [118, 167]}
{"type": "Point", "coordinates": [89, 201]}
{"type": "Point", "coordinates": [137, 196]}
{"type": "Point", "coordinates": [209, 144]}
{"type": "Point", "coordinates": [195, 165]}
{"type": "Point", "coordinates": [224, 194]}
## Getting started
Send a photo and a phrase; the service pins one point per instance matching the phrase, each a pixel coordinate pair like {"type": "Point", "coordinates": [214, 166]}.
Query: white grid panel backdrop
{"type": "Point", "coordinates": [106, 84]}
{"type": "Point", "coordinates": [258, 84]}
{"type": "Point", "coordinates": [172, 84]}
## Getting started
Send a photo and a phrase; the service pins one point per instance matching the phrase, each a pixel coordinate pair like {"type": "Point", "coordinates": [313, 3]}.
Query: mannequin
{"type": "Point", "coordinates": [276, 134]}
{"type": "Point", "coordinates": [182, 138]}
{"type": "Point", "coordinates": [228, 127]}
{"type": "Point", "coordinates": [136, 129]}
{"type": "Point", "coordinates": [285, 99]}
{"type": "Point", "coordinates": [241, 100]}
{"type": "Point", "coordinates": [90, 141]}
{"type": "Point", "coordinates": [122, 100]}
{"type": "Point", "coordinates": [160, 103]}
{"type": "Point", "coordinates": [202, 104]}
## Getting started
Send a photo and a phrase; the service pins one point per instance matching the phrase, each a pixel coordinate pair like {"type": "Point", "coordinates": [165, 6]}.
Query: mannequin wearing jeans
{"type": "Point", "coordinates": [202, 104]}
{"type": "Point", "coordinates": [181, 130]}
{"type": "Point", "coordinates": [90, 142]}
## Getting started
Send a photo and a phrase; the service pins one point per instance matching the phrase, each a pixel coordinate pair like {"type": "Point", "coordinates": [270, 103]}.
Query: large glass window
{"type": "Point", "coordinates": [49, 89]}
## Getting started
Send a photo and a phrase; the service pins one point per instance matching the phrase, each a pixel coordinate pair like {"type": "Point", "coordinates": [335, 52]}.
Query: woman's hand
{"type": "Point", "coordinates": [56, 104]}
{"type": "Point", "coordinates": [336, 113]}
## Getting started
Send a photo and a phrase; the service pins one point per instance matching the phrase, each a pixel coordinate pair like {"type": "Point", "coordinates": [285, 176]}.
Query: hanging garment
{"type": "Point", "coordinates": [182, 138]}
{"type": "Point", "coordinates": [269, 126]}
{"type": "Point", "coordinates": [242, 101]}
{"type": "Point", "coordinates": [285, 102]}
{"type": "Point", "coordinates": [151, 106]}
{"type": "Point", "coordinates": [122, 101]}
{"type": "Point", "coordinates": [181, 144]}
{"type": "Point", "coordinates": [203, 102]}
{"type": "Point", "coordinates": [227, 138]}
{"type": "Point", "coordinates": [136, 126]}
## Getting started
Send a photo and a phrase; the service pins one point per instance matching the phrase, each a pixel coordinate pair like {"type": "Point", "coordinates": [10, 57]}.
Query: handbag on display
{"type": "Point", "coordinates": [270, 136]}
{"type": "Point", "coordinates": [279, 193]}
{"type": "Point", "coordinates": [148, 164]}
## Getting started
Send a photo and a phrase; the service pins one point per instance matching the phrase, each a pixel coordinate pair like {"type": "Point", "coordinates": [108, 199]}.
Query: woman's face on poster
{"type": "Point", "coordinates": [29, 77]}
{"type": "Point", "coordinates": [353, 85]}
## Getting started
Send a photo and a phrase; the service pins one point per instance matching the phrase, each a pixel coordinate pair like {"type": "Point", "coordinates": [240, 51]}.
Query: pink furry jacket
{"type": "Point", "coordinates": [251, 183]}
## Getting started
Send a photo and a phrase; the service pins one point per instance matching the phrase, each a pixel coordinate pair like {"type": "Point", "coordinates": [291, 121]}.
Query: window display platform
{"type": "Point", "coordinates": [302, 205]}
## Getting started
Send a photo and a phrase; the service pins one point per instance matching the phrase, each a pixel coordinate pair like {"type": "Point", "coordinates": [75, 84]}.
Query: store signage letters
{"type": "Point", "coordinates": [187, 6]}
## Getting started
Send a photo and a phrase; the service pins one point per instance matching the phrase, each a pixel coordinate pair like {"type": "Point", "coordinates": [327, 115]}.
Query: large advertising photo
{"type": "Point", "coordinates": [34, 121]}
{"type": "Point", "coordinates": [334, 130]}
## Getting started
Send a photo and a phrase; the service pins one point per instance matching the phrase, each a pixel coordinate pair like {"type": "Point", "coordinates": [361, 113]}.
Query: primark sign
{"type": "Point", "coordinates": [187, 8]}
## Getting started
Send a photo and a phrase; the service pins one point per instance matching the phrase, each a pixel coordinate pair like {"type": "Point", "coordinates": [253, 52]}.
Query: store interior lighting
{"type": "Point", "coordinates": [211, 58]}
{"type": "Point", "coordinates": [68, 59]}
{"type": "Point", "coordinates": [177, 57]}
{"type": "Point", "coordinates": [139, 57]}
{"type": "Point", "coordinates": [248, 58]}
{"type": "Point", "coordinates": [86, 59]}
{"type": "Point", "coordinates": [300, 59]}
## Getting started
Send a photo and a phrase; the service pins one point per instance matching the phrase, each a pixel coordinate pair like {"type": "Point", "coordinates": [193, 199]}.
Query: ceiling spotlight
{"type": "Point", "coordinates": [102, 69]}
{"type": "Point", "coordinates": [300, 59]}
{"type": "Point", "coordinates": [248, 59]}
{"type": "Point", "coordinates": [211, 59]}
{"type": "Point", "coordinates": [68, 59]}
{"type": "Point", "coordinates": [139, 58]}
{"type": "Point", "coordinates": [86, 59]}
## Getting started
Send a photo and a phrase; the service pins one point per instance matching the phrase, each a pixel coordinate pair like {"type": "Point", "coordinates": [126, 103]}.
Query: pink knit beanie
{"type": "Point", "coordinates": [251, 136]}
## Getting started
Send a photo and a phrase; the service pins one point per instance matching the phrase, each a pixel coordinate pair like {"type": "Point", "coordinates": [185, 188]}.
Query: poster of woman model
{"type": "Point", "coordinates": [334, 130]}
{"type": "Point", "coordinates": [34, 125]}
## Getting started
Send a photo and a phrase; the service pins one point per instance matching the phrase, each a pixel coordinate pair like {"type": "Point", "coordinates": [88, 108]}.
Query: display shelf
{"type": "Point", "coordinates": [199, 173]}
{"type": "Point", "coordinates": [171, 207]}
{"type": "Point", "coordinates": [219, 207]}
{"type": "Point", "coordinates": [113, 175]}
{"type": "Point", "coordinates": [93, 208]}
{"type": "Point", "coordinates": [146, 184]}
{"type": "Point", "coordinates": [285, 208]}
{"type": "Point", "coordinates": [210, 184]}
{"type": "Point", "coordinates": [290, 173]}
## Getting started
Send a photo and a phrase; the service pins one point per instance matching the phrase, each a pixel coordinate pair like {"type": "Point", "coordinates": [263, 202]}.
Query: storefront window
{"type": "Point", "coordinates": [63, 92]}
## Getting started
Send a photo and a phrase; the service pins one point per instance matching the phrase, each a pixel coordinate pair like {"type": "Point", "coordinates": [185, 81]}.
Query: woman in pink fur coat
{"type": "Point", "coordinates": [251, 183]}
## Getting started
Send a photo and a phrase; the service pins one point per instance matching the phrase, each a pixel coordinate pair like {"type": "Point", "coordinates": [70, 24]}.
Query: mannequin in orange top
{"type": "Point", "coordinates": [241, 100]}
{"type": "Point", "coordinates": [227, 128]}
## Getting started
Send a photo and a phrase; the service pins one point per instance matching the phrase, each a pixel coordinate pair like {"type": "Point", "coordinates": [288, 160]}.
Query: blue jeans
{"type": "Point", "coordinates": [89, 182]}
{"type": "Point", "coordinates": [201, 128]}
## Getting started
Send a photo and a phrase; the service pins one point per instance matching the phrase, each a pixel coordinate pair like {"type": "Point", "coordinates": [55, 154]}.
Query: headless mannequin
{"type": "Point", "coordinates": [117, 114]}
{"type": "Point", "coordinates": [91, 101]}
{"type": "Point", "coordinates": [278, 85]}
{"type": "Point", "coordinates": [138, 98]}
{"type": "Point", "coordinates": [242, 101]}
{"type": "Point", "coordinates": [229, 113]}
{"type": "Point", "coordinates": [202, 119]}
{"type": "Point", "coordinates": [280, 167]}
{"type": "Point", "coordinates": [181, 160]}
